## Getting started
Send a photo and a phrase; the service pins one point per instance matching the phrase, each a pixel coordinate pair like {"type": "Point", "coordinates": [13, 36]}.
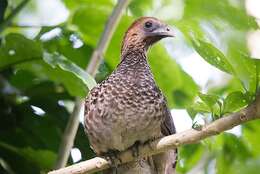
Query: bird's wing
{"type": "Point", "coordinates": [167, 126]}
{"type": "Point", "coordinates": [165, 163]}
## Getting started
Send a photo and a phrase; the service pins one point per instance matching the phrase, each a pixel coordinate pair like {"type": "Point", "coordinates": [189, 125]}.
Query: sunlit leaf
{"type": "Point", "coordinates": [212, 55]}
{"type": "Point", "coordinates": [42, 158]}
{"type": "Point", "coordinates": [66, 65]}
{"type": "Point", "coordinates": [216, 10]}
{"type": "Point", "coordinates": [198, 107]}
{"type": "Point", "coordinates": [14, 50]}
{"type": "Point", "coordinates": [89, 23]}
{"type": "Point", "coordinates": [244, 68]}
{"type": "Point", "coordinates": [209, 99]}
{"type": "Point", "coordinates": [234, 101]}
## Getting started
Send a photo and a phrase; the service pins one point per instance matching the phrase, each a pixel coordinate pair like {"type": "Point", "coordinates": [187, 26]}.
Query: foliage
{"type": "Point", "coordinates": [48, 73]}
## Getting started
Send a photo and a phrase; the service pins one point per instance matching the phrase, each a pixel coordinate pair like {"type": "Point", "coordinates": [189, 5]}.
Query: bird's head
{"type": "Point", "coordinates": [144, 32]}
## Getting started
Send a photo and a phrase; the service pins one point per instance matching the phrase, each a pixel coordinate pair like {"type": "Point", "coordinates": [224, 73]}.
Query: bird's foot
{"type": "Point", "coordinates": [197, 126]}
{"type": "Point", "coordinates": [151, 143]}
{"type": "Point", "coordinates": [135, 149]}
{"type": "Point", "coordinates": [114, 160]}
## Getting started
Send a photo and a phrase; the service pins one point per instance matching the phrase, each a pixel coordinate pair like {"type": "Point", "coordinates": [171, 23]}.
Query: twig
{"type": "Point", "coordinates": [190, 136]}
{"type": "Point", "coordinates": [9, 19]}
{"type": "Point", "coordinates": [73, 123]}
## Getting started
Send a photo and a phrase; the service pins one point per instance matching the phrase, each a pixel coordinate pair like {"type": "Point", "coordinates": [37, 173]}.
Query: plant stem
{"type": "Point", "coordinates": [13, 14]}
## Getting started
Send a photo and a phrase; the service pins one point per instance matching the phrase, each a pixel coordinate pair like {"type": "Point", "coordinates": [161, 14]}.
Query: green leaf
{"type": "Point", "coordinates": [186, 158]}
{"type": "Point", "coordinates": [96, 18]}
{"type": "Point", "coordinates": [79, 3]}
{"type": "Point", "coordinates": [209, 99]}
{"type": "Point", "coordinates": [15, 50]}
{"type": "Point", "coordinates": [212, 55]}
{"type": "Point", "coordinates": [212, 101]}
{"type": "Point", "coordinates": [234, 102]}
{"type": "Point", "coordinates": [230, 151]}
{"type": "Point", "coordinates": [244, 68]}
{"type": "Point", "coordinates": [138, 8]}
{"type": "Point", "coordinates": [216, 10]}
{"type": "Point", "coordinates": [250, 130]}
{"type": "Point", "coordinates": [65, 45]}
{"type": "Point", "coordinates": [251, 166]}
{"type": "Point", "coordinates": [198, 107]}
{"type": "Point", "coordinates": [59, 69]}
{"type": "Point", "coordinates": [44, 159]}
{"type": "Point", "coordinates": [66, 65]}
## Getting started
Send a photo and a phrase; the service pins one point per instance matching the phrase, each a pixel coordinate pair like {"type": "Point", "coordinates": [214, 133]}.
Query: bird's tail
{"type": "Point", "coordinates": [165, 163]}
{"type": "Point", "coordinates": [140, 166]}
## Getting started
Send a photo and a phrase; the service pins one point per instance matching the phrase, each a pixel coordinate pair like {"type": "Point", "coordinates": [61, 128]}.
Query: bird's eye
{"type": "Point", "coordinates": [148, 24]}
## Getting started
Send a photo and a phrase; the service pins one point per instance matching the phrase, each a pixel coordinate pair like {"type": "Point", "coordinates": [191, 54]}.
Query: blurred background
{"type": "Point", "coordinates": [210, 69]}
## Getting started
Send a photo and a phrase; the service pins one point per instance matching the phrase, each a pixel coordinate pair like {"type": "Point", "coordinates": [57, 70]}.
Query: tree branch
{"type": "Point", "coordinates": [73, 123]}
{"type": "Point", "coordinates": [9, 19]}
{"type": "Point", "coordinates": [190, 136]}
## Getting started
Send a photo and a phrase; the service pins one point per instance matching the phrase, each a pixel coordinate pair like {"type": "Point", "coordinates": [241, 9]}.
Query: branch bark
{"type": "Point", "coordinates": [190, 136]}
{"type": "Point", "coordinates": [73, 123]}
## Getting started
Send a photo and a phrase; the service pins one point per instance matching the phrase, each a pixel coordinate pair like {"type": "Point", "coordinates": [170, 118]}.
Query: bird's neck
{"type": "Point", "coordinates": [134, 56]}
{"type": "Point", "coordinates": [135, 68]}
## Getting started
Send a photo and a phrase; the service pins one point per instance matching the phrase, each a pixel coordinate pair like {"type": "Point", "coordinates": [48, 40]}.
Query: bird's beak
{"type": "Point", "coordinates": [163, 31]}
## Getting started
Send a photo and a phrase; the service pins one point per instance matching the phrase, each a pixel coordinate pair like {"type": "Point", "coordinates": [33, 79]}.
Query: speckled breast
{"type": "Point", "coordinates": [123, 109]}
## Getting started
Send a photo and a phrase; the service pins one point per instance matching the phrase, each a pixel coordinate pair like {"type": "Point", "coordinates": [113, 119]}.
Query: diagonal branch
{"type": "Point", "coordinates": [190, 136]}
{"type": "Point", "coordinates": [73, 123]}
{"type": "Point", "coordinates": [13, 14]}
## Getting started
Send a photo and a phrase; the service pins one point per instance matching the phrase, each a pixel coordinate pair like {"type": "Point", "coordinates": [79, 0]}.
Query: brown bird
{"type": "Point", "coordinates": [128, 107]}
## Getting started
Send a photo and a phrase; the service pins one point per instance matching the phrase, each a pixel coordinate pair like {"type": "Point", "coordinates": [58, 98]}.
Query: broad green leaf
{"type": "Point", "coordinates": [188, 160]}
{"type": "Point", "coordinates": [251, 166]}
{"type": "Point", "coordinates": [233, 85]}
{"type": "Point", "coordinates": [198, 107]}
{"type": "Point", "coordinates": [190, 29]}
{"type": "Point", "coordinates": [213, 102]}
{"type": "Point", "coordinates": [70, 45]}
{"type": "Point", "coordinates": [91, 20]}
{"type": "Point", "coordinates": [250, 131]}
{"type": "Point", "coordinates": [138, 8]}
{"type": "Point", "coordinates": [23, 79]}
{"type": "Point", "coordinates": [212, 55]}
{"type": "Point", "coordinates": [59, 69]}
{"type": "Point", "coordinates": [79, 3]}
{"type": "Point", "coordinates": [234, 101]}
{"type": "Point", "coordinates": [244, 68]}
{"type": "Point", "coordinates": [231, 150]}
{"type": "Point", "coordinates": [217, 11]}
{"type": "Point", "coordinates": [44, 159]}
{"type": "Point", "coordinates": [15, 50]}
{"type": "Point", "coordinates": [66, 65]}
{"type": "Point", "coordinates": [209, 99]}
